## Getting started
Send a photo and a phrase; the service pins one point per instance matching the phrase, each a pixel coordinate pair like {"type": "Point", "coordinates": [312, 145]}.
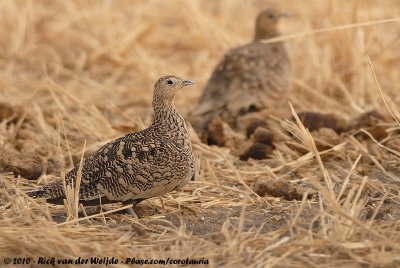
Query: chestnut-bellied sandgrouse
{"type": "Point", "coordinates": [249, 78]}
{"type": "Point", "coordinates": [139, 165]}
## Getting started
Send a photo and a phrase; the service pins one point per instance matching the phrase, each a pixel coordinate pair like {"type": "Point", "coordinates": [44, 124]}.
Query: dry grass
{"type": "Point", "coordinates": [83, 71]}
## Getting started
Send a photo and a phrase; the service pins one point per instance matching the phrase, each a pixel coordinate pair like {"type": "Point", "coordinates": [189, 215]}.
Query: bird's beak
{"type": "Point", "coordinates": [187, 82]}
{"type": "Point", "coordinates": [286, 15]}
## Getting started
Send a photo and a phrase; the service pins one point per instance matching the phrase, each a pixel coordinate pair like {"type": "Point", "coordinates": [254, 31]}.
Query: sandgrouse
{"type": "Point", "coordinates": [139, 165]}
{"type": "Point", "coordinates": [248, 79]}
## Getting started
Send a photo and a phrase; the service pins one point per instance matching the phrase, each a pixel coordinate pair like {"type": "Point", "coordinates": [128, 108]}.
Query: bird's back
{"type": "Point", "coordinates": [248, 78]}
{"type": "Point", "coordinates": [134, 167]}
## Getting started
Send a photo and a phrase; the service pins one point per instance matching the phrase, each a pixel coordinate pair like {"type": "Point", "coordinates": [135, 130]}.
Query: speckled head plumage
{"type": "Point", "coordinates": [267, 23]}
{"type": "Point", "coordinates": [167, 86]}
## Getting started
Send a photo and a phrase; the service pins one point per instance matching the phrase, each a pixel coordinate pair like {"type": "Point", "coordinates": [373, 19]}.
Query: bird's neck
{"type": "Point", "coordinates": [263, 34]}
{"type": "Point", "coordinates": [166, 116]}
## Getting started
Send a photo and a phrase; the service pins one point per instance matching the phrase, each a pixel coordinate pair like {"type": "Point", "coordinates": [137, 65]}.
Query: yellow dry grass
{"type": "Point", "coordinates": [84, 70]}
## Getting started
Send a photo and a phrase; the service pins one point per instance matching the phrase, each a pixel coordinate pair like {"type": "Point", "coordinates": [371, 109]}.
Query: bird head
{"type": "Point", "coordinates": [167, 86]}
{"type": "Point", "coordinates": [267, 23]}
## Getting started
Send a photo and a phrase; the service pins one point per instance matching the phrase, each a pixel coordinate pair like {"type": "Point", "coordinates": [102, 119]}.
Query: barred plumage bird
{"type": "Point", "coordinates": [249, 78]}
{"type": "Point", "coordinates": [139, 165]}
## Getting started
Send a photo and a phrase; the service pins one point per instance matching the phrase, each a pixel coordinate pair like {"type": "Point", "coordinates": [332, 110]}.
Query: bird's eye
{"type": "Point", "coordinates": [170, 82]}
{"type": "Point", "coordinates": [271, 16]}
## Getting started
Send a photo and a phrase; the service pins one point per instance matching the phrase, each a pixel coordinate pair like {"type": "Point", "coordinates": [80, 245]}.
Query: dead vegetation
{"type": "Point", "coordinates": [76, 71]}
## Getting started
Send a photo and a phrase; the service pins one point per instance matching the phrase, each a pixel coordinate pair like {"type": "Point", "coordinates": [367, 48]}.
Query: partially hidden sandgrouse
{"type": "Point", "coordinates": [248, 79]}
{"type": "Point", "coordinates": [139, 165]}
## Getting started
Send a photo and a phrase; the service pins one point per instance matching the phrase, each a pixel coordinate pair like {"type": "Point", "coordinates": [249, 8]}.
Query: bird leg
{"type": "Point", "coordinates": [131, 210]}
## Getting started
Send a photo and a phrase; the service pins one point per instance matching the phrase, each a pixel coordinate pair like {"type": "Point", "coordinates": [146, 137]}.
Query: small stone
{"type": "Point", "coordinates": [314, 121]}
{"type": "Point", "coordinates": [257, 151]}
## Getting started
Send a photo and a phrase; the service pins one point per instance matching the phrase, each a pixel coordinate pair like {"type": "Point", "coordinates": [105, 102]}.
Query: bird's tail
{"type": "Point", "coordinates": [53, 190]}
